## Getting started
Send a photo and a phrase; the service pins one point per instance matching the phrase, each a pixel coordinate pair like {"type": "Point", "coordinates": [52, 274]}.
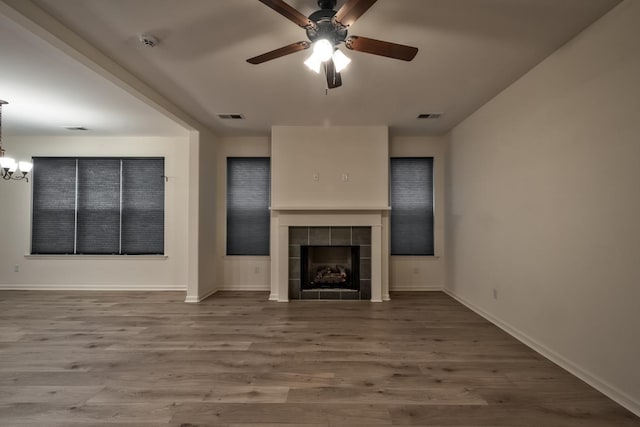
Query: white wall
{"type": "Point", "coordinates": [300, 152]}
{"type": "Point", "coordinates": [422, 273]}
{"type": "Point", "coordinates": [238, 272]}
{"type": "Point", "coordinates": [406, 273]}
{"type": "Point", "coordinates": [544, 206]}
{"type": "Point", "coordinates": [207, 231]}
{"type": "Point", "coordinates": [111, 272]}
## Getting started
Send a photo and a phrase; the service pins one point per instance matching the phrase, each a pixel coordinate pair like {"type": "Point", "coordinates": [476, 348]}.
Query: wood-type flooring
{"type": "Point", "coordinates": [147, 359]}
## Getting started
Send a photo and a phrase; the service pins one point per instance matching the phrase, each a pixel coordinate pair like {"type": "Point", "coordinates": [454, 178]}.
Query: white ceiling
{"type": "Point", "coordinates": [470, 50]}
{"type": "Point", "coordinates": [47, 90]}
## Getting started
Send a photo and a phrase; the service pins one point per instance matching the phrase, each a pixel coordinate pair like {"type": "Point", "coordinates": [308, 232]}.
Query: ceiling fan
{"type": "Point", "coordinates": [326, 30]}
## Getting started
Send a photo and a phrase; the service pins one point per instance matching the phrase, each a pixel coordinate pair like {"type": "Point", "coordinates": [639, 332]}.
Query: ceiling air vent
{"type": "Point", "coordinates": [78, 128]}
{"type": "Point", "coordinates": [430, 116]}
{"type": "Point", "coordinates": [231, 116]}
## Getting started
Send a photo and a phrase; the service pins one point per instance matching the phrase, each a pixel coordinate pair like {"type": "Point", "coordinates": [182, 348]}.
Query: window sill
{"type": "Point", "coordinates": [102, 257]}
{"type": "Point", "coordinates": [247, 257]}
{"type": "Point", "coordinates": [417, 257]}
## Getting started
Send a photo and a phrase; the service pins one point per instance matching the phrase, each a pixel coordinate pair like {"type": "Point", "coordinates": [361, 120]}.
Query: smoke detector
{"type": "Point", "coordinates": [148, 40]}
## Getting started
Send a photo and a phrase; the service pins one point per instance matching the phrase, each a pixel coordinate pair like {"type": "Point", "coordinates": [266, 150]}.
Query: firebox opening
{"type": "Point", "coordinates": [330, 267]}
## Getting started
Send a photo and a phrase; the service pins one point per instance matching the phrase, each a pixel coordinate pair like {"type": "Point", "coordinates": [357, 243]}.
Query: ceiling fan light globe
{"type": "Point", "coordinates": [314, 63]}
{"type": "Point", "coordinates": [323, 49]}
{"type": "Point", "coordinates": [340, 60]}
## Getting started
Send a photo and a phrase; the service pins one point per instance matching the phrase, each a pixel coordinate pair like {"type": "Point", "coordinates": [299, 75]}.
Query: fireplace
{"type": "Point", "coordinates": [330, 263]}
{"type": "Point", "coordinates": [330, 267]}
{"type": "Point", "coordinates": [294, 228]}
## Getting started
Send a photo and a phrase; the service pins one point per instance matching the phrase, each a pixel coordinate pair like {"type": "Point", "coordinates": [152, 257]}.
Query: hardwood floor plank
{"type": "Point", "coordinates": [93, 423]}
{"type": "Point", "coordinates": [277, 425]}
{"type": "Point", "coordinates": [186, 345]}
{"type": "Point", "coordinates": [50, 413]}
{"type": "Point", "coordinates": [385, 396]}
{"type": "Point", "coordinates": [351, 414]}
{"type": "Point", "coordinates": [11, 333]}
{"type": "Point", "coordinates": [67, 395]}
{"type": "Point", "coordinates": [46, 378]}
{"type": "Point", "coordinates": [504, 415]}
{"type": "Point", "coordinates": [226, 379]}
{"type": "Point", "coordinates": [200, 393]}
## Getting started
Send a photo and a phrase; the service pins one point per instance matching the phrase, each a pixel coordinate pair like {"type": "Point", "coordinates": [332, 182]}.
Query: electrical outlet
{"type": "Point", "coordinates": [495, 293]}
{"type": "Point", "coordinates": [345, 177]}
{"type": "Point", "coordinates": [16, 268]}
{"type": "Point", "coordinates": [316, 176]}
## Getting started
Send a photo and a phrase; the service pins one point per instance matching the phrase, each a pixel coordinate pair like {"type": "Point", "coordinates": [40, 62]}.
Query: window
{"type": "Point", "coordinates": [104, 206]}
{"type": "Point", "coordinates": [248, 194]}
{"type": "Point", "coordinates": [411, 181]}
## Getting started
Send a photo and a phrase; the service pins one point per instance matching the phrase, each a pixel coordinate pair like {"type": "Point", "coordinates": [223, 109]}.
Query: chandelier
{"type": "Point", "coordinates": [9, 168]}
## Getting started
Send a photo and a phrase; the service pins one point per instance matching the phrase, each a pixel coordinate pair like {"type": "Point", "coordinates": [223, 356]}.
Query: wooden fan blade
{"type": "Point", "coordinates": [334, 79]}
{"type": "Point", "coordinates": [286, 50]}
{"type": "Point", "coordinates": [290, 13]}
{"type": "Point", "coordinates": [382, 48]}
{"type": "Point", "coordinates": [352, 10]}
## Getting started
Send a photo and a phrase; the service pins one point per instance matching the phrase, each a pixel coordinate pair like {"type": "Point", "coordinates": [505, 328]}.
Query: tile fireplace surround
{"type": "Point", "coordinates": [327, 237]}
{"type": "Point", "coordinates": [287, 225]}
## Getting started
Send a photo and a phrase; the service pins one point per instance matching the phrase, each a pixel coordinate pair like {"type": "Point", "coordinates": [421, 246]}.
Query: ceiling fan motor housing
{"type": "Point", "coordinates": [327, 4]}
{"type": "Point", "coordinates": [325, 27]}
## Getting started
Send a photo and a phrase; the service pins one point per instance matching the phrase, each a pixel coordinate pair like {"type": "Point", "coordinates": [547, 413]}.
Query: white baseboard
{"type": "Point", "coordinates": [194, 299]}
{"type": "Point", "coordinates": [602, 386]}
{"type": "Point", "coordinates": [414, 288]}
{"type": "Point", "coordinates": [237, 287]}
{"type": "Point", "coordinates": [85, 287]}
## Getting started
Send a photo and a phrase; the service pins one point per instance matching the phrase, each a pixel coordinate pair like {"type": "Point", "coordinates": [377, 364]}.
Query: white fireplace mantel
{"type": "Point", "coordinates": [284, 217]}
{"type": "Point", "coordinates": [328, 209]}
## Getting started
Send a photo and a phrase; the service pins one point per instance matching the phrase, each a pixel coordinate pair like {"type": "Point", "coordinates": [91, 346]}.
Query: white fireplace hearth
{"type": "Point", "coordinates": [374, 219]}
